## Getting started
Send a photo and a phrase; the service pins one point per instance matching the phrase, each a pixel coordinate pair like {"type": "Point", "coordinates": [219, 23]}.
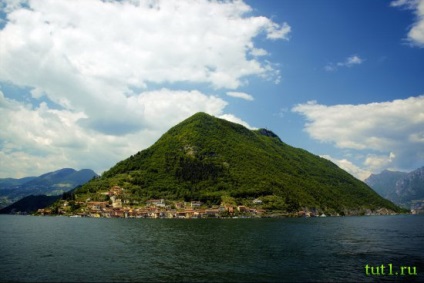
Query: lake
{"type": "Point", "coordinates": [219, 250]}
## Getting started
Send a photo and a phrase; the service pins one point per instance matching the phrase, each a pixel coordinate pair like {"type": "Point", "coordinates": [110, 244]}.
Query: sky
{"type": "Point", "coordinates": [87, 83]}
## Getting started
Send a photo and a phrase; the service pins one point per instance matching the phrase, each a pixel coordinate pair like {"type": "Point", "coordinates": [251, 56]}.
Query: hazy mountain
{"type": "Point", "coordinates": [52, 183]}
{"type": "Point", "coordinates": [385, 182]}
{"type": "Point", "coordinates": [11, 182]}
{"type": "Point", "coordinates": [205, 158]}
{"type": "Point", "coordinates": [29, 204]}
{"type": "Point", "coordinates": [405, 189]}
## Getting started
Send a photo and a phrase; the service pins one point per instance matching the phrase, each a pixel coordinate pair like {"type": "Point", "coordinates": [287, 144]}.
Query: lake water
{"type": "Point", "coordinates": [218, 250]}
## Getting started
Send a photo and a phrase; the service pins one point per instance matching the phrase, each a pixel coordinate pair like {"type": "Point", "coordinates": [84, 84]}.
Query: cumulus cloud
{"type": "Point", "coordinates": [393, 131]}
{"type": "Point", "coordinates": [241, 95]}
{"type": "Point", "coordinates": [348, 62]}
{"type": "Point", "coordinates": [102, 63]}
{"type": "Point", "coordinates": [371, 163]}
{"type": "Point", "coordinates": [164, 108]}
{"type": "Point", "coordinates": [349, 167]}
{"type": "Point", "coordinates": [138, 42]}
{"type": "Point", "coordinates": [416, 33]}
{"type": "Point", "coordinates": [235, 119]}
{"type": "Point", "coordinates": [91, 55]}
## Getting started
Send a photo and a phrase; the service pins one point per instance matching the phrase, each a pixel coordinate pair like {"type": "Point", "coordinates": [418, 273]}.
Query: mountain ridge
{"type": "Point", "coordinates": [384, 182]}
{"type": "Point", "coordinates": [403, 188]}
{"type": "Point", "coordinates": [51, 183]}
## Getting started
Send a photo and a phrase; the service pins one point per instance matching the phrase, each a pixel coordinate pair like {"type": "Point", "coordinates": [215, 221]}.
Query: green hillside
{"type": "Point", "coordinates": [212, 160]}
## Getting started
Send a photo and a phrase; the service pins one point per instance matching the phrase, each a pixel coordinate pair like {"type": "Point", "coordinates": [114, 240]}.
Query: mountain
{"type": "Point", "coordinates": [29, 204]}
{"type": "Point", "coordinates": [385, 182]}
{"type": "Point", "coordinates": [52, 183]}
{"type": "Point", "coordinates": [213, 160]}
{"type": "Point", "coordinates": [11, 182]}
{"type": "Point", "coordinates": [405, 189]}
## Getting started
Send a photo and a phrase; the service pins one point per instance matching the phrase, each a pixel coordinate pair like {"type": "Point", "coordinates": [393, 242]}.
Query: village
{"type": "Point", "coordinates": [119, 207]}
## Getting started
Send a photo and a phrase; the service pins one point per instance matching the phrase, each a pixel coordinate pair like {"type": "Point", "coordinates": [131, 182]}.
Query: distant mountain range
{"type": "Point", "coordinates": [215, 161]}
{"type": "Point", "coordinates": [29, 204]}
{"type": "Point", "coordinates": [404, 189]}
{"type": "Point", "coordinates": [49, 184]}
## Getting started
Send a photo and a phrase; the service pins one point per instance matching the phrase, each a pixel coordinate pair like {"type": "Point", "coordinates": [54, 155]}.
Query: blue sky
{"type": "Point", "coordinates": [85, 84]}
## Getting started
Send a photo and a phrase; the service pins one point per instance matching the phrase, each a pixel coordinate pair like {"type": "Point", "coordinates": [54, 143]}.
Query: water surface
{"type": "Point", "coordinates": [205, 250]}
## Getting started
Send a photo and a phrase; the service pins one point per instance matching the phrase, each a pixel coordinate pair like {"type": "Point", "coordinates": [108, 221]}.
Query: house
{"type": "Point", "coordinates": [96, 205]}
{"type": "Point", "coordinates": [211, 212]}
{"type": "Point", "coordinates": [154, 214]}
{"type": "Point", "coordinates": [171, 213]}
{"type": "Point", "coordinates": [195, 204]}
{"type": "Point", "coordinates": [156, 202]}
{"type": "Point", "coordinates": [198, 213]}
{"type": "Point", "coordinates": [116, 203]}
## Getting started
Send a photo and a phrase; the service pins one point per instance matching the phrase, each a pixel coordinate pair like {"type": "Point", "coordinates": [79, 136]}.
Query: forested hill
{"type": "Point", "coordinates": [209, 159]}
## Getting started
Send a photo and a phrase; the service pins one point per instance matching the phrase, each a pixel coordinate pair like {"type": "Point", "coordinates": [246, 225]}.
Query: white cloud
{"type": "Point", "coordinates": [234, 119]}
{"type": "Point", "coordinates": [258, 52]}
{"type": "Point", "coordinates": [241, 95]}
{"type": "Point", "coordinates": [399, 3]}
{"type": "Point", "coordinates": [167, 41]}
{"type": "Point", "coordinates": [99, 61]}
{"type": "Point", "coordinates": [376, 162]}
{"type": "Point", "coordinates": [349, 167]}
{"type": "Point", "coordinates": [416, 33]}
{"type": "Point", "coordinates": [348, 62]}
{"type": "Point", "coordinates": [351, 61]}
{"type": "Point", "coordinates": [164, 108]}
{"type": "Point", "coordinates": [90, 55]}
{"type": "Point", "coordinates": [392, 130]}
{"type": "Point", "coordinates": [275, 31]}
